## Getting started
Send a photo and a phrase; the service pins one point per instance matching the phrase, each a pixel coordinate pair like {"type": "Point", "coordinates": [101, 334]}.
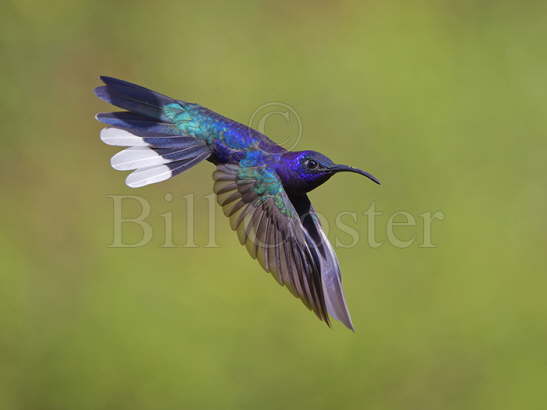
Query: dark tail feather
{"type": "Point", "coordinates": [139, 124]}
{"type": "Point", "coordinates": [154, 133]}
{"type": "Point", "coordinates": [158, 150]}
{"type": "Point", "coordinates": [157, 173]}
{"type": "Point", "coordinates": [134, 98]}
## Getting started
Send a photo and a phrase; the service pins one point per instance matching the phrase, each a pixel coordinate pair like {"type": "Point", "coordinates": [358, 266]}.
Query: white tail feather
{"type": "Point", "coordinates": [121, 138]}
{"type": "Point", "coordinates": [137, 157]}
{"type": "Point", "coordinates": [146, 176]}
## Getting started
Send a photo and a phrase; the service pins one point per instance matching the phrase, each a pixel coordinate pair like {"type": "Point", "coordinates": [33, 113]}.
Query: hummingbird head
{"type": "Point", "coordinates": [302, 171]}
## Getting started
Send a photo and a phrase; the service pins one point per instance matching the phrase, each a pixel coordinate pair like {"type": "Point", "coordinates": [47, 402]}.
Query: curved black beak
{"type": "Point", "coordinates": [345, 168]}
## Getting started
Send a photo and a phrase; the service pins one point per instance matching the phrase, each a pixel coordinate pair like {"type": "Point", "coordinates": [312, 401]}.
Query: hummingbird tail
{"type": "Point", "coordinates": [134, 98]}
{"type": "Point", "coordinates": [157, 148]}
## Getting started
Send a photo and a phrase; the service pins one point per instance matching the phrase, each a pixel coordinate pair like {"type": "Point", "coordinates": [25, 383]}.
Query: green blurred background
{"type": "Point", "coordinates": [444, 101]}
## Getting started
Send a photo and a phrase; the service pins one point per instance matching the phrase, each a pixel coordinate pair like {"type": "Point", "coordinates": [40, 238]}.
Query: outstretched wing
{"type": "Point", "coordinates": [269, 226]}
{"type": "Point", "coordinates": [330, 269]}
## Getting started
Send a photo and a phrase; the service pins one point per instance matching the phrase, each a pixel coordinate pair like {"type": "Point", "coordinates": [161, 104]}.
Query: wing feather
{"type": "Point", "coordinates": [331, 276]}
{"type": "Point", "coordinates": [269, 227]}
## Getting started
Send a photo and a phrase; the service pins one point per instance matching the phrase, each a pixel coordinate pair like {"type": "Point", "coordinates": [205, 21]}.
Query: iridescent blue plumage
{"type": "Point", "coordinates": [261, 186]}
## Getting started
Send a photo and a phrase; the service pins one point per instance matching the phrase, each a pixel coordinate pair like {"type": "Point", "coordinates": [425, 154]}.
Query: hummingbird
{"type": "Point", "coordinates": [261, 187]}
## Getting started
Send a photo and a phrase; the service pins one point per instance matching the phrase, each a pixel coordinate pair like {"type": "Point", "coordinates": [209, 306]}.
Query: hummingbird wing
{"type": "Point", "coordinates": [330, 269]}
{"type": "Point", "coordinates": [269, 226]}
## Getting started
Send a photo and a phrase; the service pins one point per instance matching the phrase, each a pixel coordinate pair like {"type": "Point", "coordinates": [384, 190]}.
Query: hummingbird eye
{"type": "Point", "coordinates": [311, 164]}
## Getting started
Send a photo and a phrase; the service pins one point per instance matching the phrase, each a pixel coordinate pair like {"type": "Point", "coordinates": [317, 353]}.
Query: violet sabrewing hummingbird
{"type": "Point", "coordinates": [260, 185]}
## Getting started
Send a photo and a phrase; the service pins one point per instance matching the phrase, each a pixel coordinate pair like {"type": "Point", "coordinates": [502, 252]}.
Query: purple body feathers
{"type": "Point", "coordinates": [261, 186]}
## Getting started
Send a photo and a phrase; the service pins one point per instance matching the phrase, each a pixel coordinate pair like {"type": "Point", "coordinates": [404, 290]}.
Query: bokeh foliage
{"type": "Point", "coordinates": [443, 100]}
